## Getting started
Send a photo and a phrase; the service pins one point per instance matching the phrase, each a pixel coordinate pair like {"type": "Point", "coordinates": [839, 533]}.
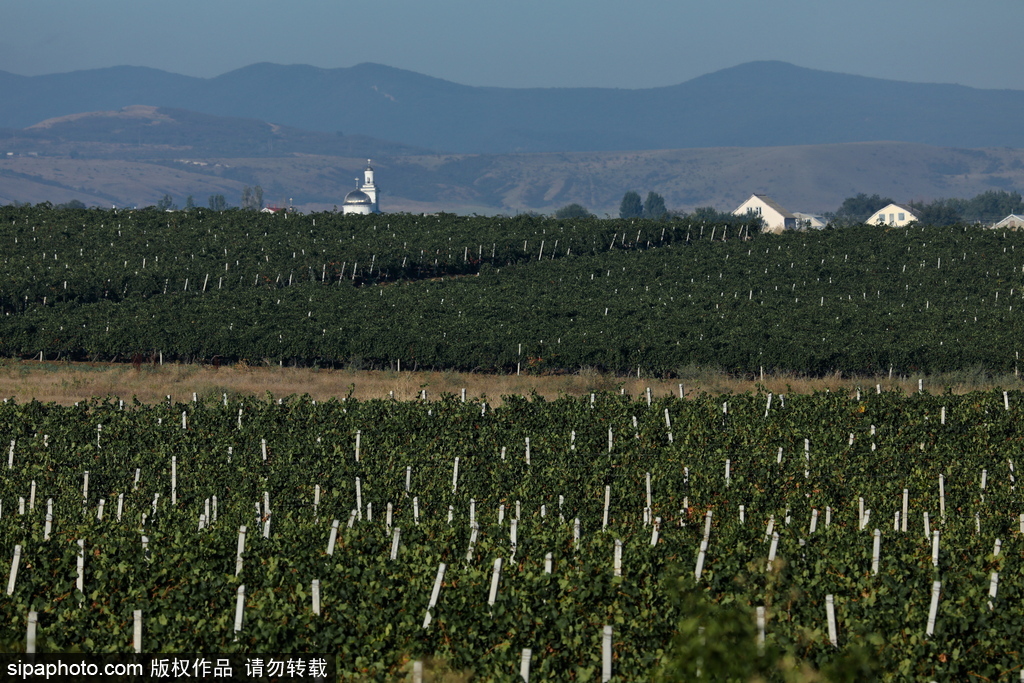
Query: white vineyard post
{"type": "Point", "coordinates": [655, 531]}
{"type": "Point", "coordinates": [174, 480]}
{"type": "Point", "coordinates": [433, 594]}
{"type": "Point", "coordinates": [239, 607]}
{"type": "Point", "coordinates": [359, 436]}
{"type": "Point", "coordinates": [10, 456]}
{"type": "Point", "coordinates": [927, 527]}
{"type": "Point", "coordinates": [606, 654]}
{"type": "Point", "coordinates": [906, 505]}
{"type": "Point", "coordinates": [609, 439]}
{"type": "Point", "coordinates": [707, 525]}
{"type": "Point", "coordinates": [768, 406]}
{"type": "Point", "coordinates": [316, 596]}
{"type": "Point", "coordinates": [417, 672]}
{"type": "Point", "coordinates": [993, 587]}
{"type": "Point", "coordinates": [120, 505]}
{"type": "Point", "coordinates": [743, 514]}
{"type": "Point", "coordinates": [576, 533]}
{"type": "Point", "coordinates": [495, 578]}
{"type": "Point", "coordinates": [607, 502]}
{"type": "Point", "coordinates": [772, 550]}
{"type": "Point", "coordinates": [935, 548]}
{"type": "Point", "coordinates": [524, 664]}
{"type": "Point", "coordinates": [408, 479]}
{"type": "Point", "coordinates": [814, 521]}
{"type": "Point", "coordinates": [14, 570]}
{"type": "Point", "coordinates": [760, 628]}
{"type": "Point", "coordinates": [933, 609]}
{"type": "Point", "coordinates": [548, 563]}
{"type": "Point", "coordinates": [80, 580]}
{"type": "Point", "coordinates": [351, 518]}
{"type": "Point", "coordinates": [213, 510]}
{"type": "Point", "coordinates": [527, 450]}
{"type": "Point", "coordinates": [395, 536]}
{"type": "Point", "coordinates": [30, 635]}
{"type": "Point", "coordinates": [770, 529]}
{"type": "Point", "coordinates": [137, 631]}
{"type": "Point", "coordinates": [99, 510]}
{"type": "Point", "coordinates": [942, 498]}
{"type": "Point", "coordinates": [830, 613]}
{"type": "Point", "coordinates": [455, 475]}
{"type": "Point", "coordinates": [416, 509]}
{"type": "Point", "coordinates": [617, 562]}
{"type": "Point", "coordinates": [728, 463]}
{"type": "Point", "coordinates": [85, 488]}
{"type": "Point", "coordinates": [32, 495]}
{"type": "Point", "coordinates": [875, 550]}
{"type": "Point", "coordinates": [316, 502]}
{"type": "Point", "coordinates": [699, 569]}
{"type": "Point", "coordinates": [828, 516]}
{"type": "Point", "coordinates": [240, 550]}
{"type": "Point", "coordinates": [359, 498]}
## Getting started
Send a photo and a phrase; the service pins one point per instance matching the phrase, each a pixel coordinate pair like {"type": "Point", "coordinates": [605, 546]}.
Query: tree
{"type": "Point", "coordinates": [939, 212]}
{"type": "Point", "coordinates": [573, 211]}
{"type": "Point", "coordinates": [858, 209]}
{"type": "Point", "coordinates": [631, 206]}
{"type": "Point", "coordinates": [166, 203]}
{"type": "Point", "coordinates": [252, 198]}
{"type": "Point", "coordinates": [217, 202]}
{"type": "Point", "coordinates": [654, 206]}
{"type": "Point", "coordinates": [73, 204]}
{"type": "Point", "coordinates": [190, 203]}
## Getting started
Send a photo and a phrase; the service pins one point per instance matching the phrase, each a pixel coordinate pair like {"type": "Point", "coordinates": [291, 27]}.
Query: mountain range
{"type": "Point", "coordinates": [129, 135]}
{"type": "Point", "coordinates": [758, 104]}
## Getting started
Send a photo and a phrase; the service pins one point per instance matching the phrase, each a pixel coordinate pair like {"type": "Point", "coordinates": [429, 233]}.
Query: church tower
{"type": "Point", "coordinates": [369, 187]}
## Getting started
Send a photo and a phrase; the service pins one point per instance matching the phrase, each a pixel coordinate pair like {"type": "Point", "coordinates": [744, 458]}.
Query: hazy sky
{"type": "Point", "coordinates": [525, 43]}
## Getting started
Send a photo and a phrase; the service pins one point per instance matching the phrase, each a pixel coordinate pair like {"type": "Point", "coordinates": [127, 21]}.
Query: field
{"type": "Point", "coordinates": [672, 521]}
{"type": "Point", "coordinates": [593, 450]}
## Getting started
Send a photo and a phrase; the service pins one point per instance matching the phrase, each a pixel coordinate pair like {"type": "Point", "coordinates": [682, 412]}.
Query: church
{"type": "Point", "coordinates": [363, 199]}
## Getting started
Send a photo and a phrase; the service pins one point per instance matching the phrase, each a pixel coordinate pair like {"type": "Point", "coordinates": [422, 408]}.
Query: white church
{"type": "Point", "coordinates": [363, 199]}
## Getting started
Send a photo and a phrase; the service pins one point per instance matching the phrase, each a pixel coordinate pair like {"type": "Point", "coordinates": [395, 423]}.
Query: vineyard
{"type": "Point", "coordinates": [875, 535]}
{"type": "Point", "coordinates": [521, 294]}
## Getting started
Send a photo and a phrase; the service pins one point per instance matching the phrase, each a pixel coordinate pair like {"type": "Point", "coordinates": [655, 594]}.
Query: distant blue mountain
{"type": "Point", "coordinates": [758, 104]}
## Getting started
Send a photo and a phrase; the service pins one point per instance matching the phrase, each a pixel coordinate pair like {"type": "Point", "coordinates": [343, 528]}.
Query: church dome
{"type": "Point", "coordinates": [357, 197]}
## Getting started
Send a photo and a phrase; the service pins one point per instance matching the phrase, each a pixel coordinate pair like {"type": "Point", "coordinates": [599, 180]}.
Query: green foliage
{"type": "Point", "coordinates": [252, 198]}
{"type": "Point", "coordinates": [668, 624]}
{"type": "Point", "coordinates": [654, 207]}
{"type": "Point", "coordinates": [217, 202]}
{"type": "Point", "coordinates": [572, 211]}
{"type": "Point", "coordinates": [631, 205]}
{"type": "Point", "coordinates": [165, 203]}
{"type": "Point", "coordinates": [857, 209]}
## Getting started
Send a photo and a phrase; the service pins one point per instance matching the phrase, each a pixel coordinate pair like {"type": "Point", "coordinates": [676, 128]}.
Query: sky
{"type": "Point", "coordinates": [526, 43]}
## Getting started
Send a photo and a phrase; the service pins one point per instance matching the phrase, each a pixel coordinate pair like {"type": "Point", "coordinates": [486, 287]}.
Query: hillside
{"type": "Point", "coordinates": [757, 104]}
{"type": "Point", "coordinates": [135, 155]}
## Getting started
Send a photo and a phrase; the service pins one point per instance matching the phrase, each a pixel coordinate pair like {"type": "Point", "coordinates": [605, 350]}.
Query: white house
{"type": "Point", "coordinates": [1011, 221]}
{"type": "Point", "coordinates": [776, 219]}
{"type": "Point", "coordinates": [809, 221]}
{"type": "Point", "coordinates": [363, 199]}
{"type": "Point", "coordinates": [893, 214]}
